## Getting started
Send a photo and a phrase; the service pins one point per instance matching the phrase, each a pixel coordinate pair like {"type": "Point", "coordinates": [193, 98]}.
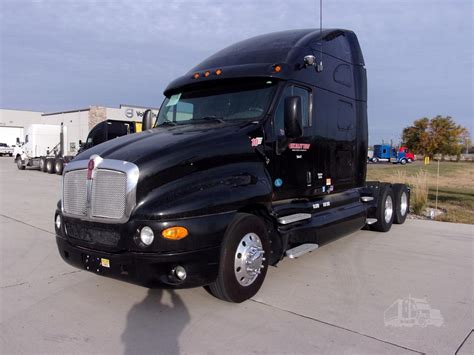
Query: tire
{"type": "Point", "coordinates": [385, 203]}
{"type": "Point", "coordinates": [42, 164]}
{"type": "Point", "coordinates": [50, 166]}
{"type": "Point", "coordinates": [403, 161]}
{"type": "Point", "coordinates": [401, 197]}
{"type": "Point", "coordinates": [20, 165]}
{"type": "Point", "coordinates": [233, 283]}
{"type": "Point", "coordinates": [410, 160]}
{"type": "Point", "coordinates": [10, 154]}
{"type": "Point", "coordinates": [374, 160]}
{"type": "Point", "coordinates": [59, 166]}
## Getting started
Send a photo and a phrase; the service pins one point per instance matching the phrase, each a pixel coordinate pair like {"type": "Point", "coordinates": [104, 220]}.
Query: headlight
{"type": "Point", "coordinates": [147, 235]}
{"type": "Point", "coordinates": [57, 222]}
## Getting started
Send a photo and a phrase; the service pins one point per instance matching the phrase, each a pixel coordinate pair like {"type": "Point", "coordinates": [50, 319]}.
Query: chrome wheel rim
{"type": "Point", "coordinates": [248, 261]}
{"type": "Point", "coordinates": [388, 209]}
{"type": "Point", "coordinates": [403, 203]}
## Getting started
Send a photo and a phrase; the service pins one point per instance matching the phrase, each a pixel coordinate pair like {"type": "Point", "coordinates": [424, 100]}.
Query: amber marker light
{"type": "Point", "coordinates": [175, 233]}
{"type": "Point", "coordinates": [218, 71]}
{"type": "Point", "coordinates": [207, 73]}
{"type": "Point", "coordinates": [277, 68]}
{"type": "Point", "coordinates": [196, 75]}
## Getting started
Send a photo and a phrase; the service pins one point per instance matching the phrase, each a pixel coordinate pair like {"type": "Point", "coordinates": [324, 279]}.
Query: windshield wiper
{"type": "Point", "coordinates": [167, 122]}
{"type": "Point", "coordinates": [211, 118]}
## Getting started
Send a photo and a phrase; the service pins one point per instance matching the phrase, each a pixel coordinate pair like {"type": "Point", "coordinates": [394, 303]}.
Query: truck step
{"type": "Point", "coordinates": [292, 218]}
{"type": "Point", "coordinates": [300, 250]}
{"type": "Point", "coordinates": [371, 220]}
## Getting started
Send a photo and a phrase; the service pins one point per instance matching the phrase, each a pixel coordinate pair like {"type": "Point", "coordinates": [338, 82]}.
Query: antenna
{"type": "Point", "coordinates": [319, 67]}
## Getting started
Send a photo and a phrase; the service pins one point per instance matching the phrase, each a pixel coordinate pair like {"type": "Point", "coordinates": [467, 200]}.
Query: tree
{"type": "Point", "coordinates": [439, 135]}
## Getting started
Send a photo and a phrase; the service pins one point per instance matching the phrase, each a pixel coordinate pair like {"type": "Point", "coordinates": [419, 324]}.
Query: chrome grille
{"type": "Point", "coordinates": [108, 197]}
{"type": "Point", "coordinates": [109, 190]}
{"type": "Point", "coordinates": [75, 192]}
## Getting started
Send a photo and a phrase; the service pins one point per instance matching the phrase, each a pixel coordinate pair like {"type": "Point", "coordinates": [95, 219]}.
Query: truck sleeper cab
{"type": "Point", "coordinates": [257, 154]}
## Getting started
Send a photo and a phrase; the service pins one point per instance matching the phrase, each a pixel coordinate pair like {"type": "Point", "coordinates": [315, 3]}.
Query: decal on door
{"type": "Point", "coordinates": [299, 147]}
{"type": "Point", "coordinates": [256, 141]}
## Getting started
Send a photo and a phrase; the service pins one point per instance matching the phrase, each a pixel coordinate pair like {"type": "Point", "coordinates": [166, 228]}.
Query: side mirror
{"type": "Point", "coordinates": [293, 117]}
{"type": "Point", "coordinates": [147, 121]}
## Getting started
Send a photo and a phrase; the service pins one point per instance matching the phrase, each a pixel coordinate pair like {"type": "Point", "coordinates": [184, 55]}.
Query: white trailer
{"type": "Point", "coordinates": [43, 144]}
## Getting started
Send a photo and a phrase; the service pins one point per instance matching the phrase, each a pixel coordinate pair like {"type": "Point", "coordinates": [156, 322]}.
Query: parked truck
{"type": "Point", "coordinates": [5, 149]}
{"type": "Point", "coordinates": [45, 145]}
{"type": "Point", "coordinates": [409, 155]}
{"type": "Point", "coordinates": [382, 153]}
{"type": "Point", "coordinates": [258, 153]}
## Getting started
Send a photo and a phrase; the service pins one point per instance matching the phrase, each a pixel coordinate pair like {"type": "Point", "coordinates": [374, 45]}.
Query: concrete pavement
{"type": "Point", "coordinates": [341, 299]}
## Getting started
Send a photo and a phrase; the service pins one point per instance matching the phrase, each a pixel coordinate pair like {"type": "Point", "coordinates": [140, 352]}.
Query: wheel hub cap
{"type": "Point", "coordinates": [249, 259]}
{"type": "Point", "coordinates": [388, 209]}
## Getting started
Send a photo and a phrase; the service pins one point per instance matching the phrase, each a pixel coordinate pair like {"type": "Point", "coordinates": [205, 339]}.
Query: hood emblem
{"type": "Point", "coordinates": [92, 165]}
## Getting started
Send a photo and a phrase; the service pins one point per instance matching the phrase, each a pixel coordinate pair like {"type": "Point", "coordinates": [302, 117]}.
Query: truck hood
{"type": "Point", "coordinates": [156, 143]}
{"type": "Point", "coordinates": [168, 154]}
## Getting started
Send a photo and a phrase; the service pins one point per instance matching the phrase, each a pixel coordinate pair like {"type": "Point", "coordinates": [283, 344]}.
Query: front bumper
{"type": "Point", "coordinates": [151, 269]}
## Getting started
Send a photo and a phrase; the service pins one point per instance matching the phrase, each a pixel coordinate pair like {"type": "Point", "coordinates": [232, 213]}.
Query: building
{"type": "Point", "coordinates": [78, 122]}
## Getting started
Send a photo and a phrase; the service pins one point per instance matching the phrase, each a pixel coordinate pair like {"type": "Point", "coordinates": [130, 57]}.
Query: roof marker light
{"type": "Point", "coordinates": [207, 73]}
{"type": "Point", "coordinates": [196, 75]}
{"type": "Point", "coordinates": [218, 71]}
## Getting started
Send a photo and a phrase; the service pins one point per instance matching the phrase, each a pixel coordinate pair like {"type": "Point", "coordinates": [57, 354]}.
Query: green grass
{"type": "Point", "coordinates": [455, 185]}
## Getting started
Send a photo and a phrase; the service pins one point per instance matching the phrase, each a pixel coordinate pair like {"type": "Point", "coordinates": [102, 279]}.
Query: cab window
{"type": "Point", "coordinates": [293, 90]}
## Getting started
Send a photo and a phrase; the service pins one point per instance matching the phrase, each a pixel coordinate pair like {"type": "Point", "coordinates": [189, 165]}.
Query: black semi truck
{"type": "Point", "coordinates": [257, 153]}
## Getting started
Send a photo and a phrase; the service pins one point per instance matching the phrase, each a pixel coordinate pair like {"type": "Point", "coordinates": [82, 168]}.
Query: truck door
{"type": "Point", "coordinates": [294, 170]}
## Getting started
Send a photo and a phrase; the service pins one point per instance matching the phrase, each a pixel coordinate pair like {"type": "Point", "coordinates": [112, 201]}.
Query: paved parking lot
{"type": "Point", "coordinates": [350, 296]}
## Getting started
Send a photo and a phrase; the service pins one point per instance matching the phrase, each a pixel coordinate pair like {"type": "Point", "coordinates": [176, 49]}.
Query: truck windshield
{"type": "Point", "coordinates": [220, 102]}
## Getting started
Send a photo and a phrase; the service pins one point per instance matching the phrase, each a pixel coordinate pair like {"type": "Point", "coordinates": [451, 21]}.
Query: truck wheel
{"type": "Point", "coordinates": [59, 166]}
{"type": "Point", "coordinates": [403, 161]}
{"type": "Point", "coordinates": [50, 166]}
{"type": "Point", "coordinates": [401, 197]}
{"type": "Point", "coordinates": [410, 160]}
{"type": "Point", "coordinates": [42, 164]}
{"type": "Point", "coordinates": [374, 160]}
{"type": "Point", "coordinates": [385, 210]}
{"type": "Point", "coordinates": [10, 154]}
{"type": "Point", "coordinates": [242, 266]}
{"type": "Point", "coordinates": [19, 164]}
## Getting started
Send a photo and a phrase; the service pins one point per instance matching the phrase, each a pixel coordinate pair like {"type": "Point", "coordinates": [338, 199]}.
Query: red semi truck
{"type": "Point", "coordinates": [408, 154]}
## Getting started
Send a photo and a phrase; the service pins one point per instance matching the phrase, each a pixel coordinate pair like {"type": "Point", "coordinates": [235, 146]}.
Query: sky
{"type": "Point", "coordinates": [64, 55]}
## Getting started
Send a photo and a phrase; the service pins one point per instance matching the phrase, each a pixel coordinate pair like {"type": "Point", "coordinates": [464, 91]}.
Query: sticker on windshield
{"type": "Point", "coordinates": [173, 100]}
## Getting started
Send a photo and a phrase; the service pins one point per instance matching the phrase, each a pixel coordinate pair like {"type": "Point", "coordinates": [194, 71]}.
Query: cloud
{"type": "Point", "coordinates": [70, 54]}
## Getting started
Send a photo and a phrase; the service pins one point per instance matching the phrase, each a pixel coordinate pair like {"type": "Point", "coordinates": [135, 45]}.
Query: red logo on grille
{"type": "Point", "coordinates": [90, 168]}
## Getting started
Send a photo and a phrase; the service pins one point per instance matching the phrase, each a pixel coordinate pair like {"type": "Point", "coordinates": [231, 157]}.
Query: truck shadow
{"type": "Point", "coordinates": [155, 324]}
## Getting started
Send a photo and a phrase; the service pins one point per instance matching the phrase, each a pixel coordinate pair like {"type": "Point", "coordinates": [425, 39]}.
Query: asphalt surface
{"type": "Point", "coordinates": [336, 300]}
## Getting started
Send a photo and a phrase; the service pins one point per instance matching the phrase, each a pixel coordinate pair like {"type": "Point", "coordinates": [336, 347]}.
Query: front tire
{"type": "Point", "coordinates": [385, 210]}
{"type": "Point", "coordinates": [19, 164]}
{"type": "Point", "coordinates": [374, 160]}
{"type": "Point", "coordinates": [403, 161]}
{"type": "Point", "coordinates": [243, 261]}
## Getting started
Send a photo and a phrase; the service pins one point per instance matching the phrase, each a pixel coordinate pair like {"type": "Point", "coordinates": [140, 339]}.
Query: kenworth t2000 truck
{"type": "Point", "coordinates": [257, 153]}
